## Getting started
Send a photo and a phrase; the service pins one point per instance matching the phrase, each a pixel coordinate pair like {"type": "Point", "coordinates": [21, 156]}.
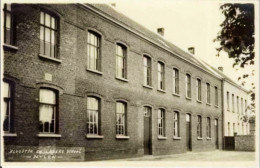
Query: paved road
{"type": "Point", "coordinates": [216, 155]}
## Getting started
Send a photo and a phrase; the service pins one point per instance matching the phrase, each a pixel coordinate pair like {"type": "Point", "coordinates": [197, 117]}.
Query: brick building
{"type": "Point", "coordinates": [84, 75]}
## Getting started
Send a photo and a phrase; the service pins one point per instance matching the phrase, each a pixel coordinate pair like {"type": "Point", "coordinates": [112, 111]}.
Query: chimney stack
{"type": "Point", "coordinates": [160, 31]}
{"type": "Point", "coordinates": [220, 68]}
{"type": "Point", "coordinates": [191, 50]}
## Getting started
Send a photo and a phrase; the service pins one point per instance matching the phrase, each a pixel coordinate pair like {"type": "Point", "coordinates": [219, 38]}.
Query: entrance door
{"type": "Point", "coordinates": [147, 130]}
{"type": "Point", "coordinates": [216, 133]}
{"type": "Point", "coordinates": [188, 132]}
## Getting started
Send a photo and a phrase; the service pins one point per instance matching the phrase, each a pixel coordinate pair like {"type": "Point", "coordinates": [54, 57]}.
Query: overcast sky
{"type": "Point", "coordinates": [187, 24]}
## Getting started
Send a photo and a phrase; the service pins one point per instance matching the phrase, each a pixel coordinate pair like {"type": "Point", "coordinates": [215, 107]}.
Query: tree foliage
{"type": "Point", "coordinates": [237, 33]}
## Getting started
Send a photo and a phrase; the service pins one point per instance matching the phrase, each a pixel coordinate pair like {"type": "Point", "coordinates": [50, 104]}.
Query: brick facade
{"type": "Point", "coordinates": [74, 83]}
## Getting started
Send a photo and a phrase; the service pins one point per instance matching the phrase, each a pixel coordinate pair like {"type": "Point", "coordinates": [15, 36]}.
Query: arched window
{"type": "Point", "coordinates": [188, 85]}
{"type": "Point", "coordinates": [176, 124]}
{"type": "Point", "coordinates": [93, 51]}
{"type": "Point", "coordinates": [198, 89]}
{"type": "Point", "coordinates": [93, 115]}
{"type": "Point", "coordinates": [48, 35]}
{"type": "Point", "coordinates": [161, 76]}
{"type": "Point", "coordinates": [121, 54]}
{"type": "Point", "coordinates": [161, 122]}
{"type": "Point", "coordinates": [147, 70]}
{"type": "Point", "coordinates": [199, 127]}
{"type": "Point", "coordinates": [208, 93]}
{"type": "Point", "coordinates": [208, 128]}
{"type": "Point", "coordinates": [175, 81]}
{"type": "Point", "coordinates": [120, 118]}
{"type": "Point", "coordinates": [48, 111]}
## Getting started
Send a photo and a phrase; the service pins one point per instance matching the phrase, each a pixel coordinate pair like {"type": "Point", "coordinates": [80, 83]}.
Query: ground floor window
{"type": "Point", "coordinates": [120, 118]}
{"type": "Point", "coordinates": [93, 115]}
{"type": "Point", "coordinates": [199, 127]}
{"type": "Point", "coordinates": [161, 122]}
{"type": "Point", "coordinates": [176, 128]}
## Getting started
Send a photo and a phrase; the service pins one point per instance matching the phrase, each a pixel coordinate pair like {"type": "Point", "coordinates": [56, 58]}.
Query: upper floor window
{"type": "Point", "coordinates": [7, 106]}
{"type": "Point", "coordinates": [216, 96]}
{"type": "Point", "coordinates": [238, 105]}
{"type": "Point", "coordinates": [176, 127]}
{"type": "Point", "coordinates": [161, 69]}
{"type": "Point", "coordinates": [48, 111]}
{"type": "Point", "coordinates": [120, 118]}
{"type": "Point", "coordinates": [198, 89]}
{"type": "Point", "coordinates": [188, 85]}
{"type": "Point", "coordinates": [208, 128]}
{"type": "Point", "coordinates": [233, 103]}
{"type": "Point", "coordinates": [121, 61]}
{"type": "Point", "coordinates": [93, 51]}
{"type": "Point", "coordinates": [208, 92]}
{"type": "Point", "coordinates": [242, 106]}
{"type": "Point", "coordinates": [8, 25]}
{"type": "Point", "coordinates": [199, 127]}
{"type": "Point", "coordinates": [93, 110]}
{"type": "Point", "coordinates": [228, 105]}
{"type": "Point", "coordinates": [175, 81]}
{"type": "Point", "coordinates": [147, 71]}
{"type": "Point", "coordinates": [48, 35]}
{"type": "Point", "coordinates": [161, 122]}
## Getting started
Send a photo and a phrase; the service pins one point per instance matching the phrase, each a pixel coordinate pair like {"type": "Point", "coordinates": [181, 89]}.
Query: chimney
{"type": "Point", "coordinates": [113, 4]}
{"type": "Point", "coordinates": [191, 50]}
{"type": "Point", "coordinates": [160, 31]}
{"type": "Point", "coordinates": [220, 68]}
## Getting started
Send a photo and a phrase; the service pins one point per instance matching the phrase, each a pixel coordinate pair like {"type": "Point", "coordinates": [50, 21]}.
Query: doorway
{"type": "Point", "coordinates": [147, 131]}
{"type": "Point", "coordinates": [188, 132]}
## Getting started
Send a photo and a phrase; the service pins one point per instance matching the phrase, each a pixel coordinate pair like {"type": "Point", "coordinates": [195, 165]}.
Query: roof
{"type": "Point", "coordinates": [124, 20]}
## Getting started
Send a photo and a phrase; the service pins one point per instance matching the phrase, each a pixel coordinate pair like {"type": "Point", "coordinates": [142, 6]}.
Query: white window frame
{"type": "Point", "coordinates": [207, 93]}
{"type": "Point", "coordinates": [93, 115]}
{"type": "Point", "coordinates": [176, 89]}
{"type": "Point", "coordinates": [188, 85]}
{"type": "Point", "coordinates": [161, 120]}
{"type": "Point", "coordinates": [176, 124]}
{"type": "Point", "coordinates": [121, 71]}
{"type": "Point", "coordinates": [147, 61]}
{"type": "Point", "coordinates": [7, 98]}
{"type": "Point", "coordinates": [93, 51]}
{"type": "Point", "coordinates": [199, 126]}
{"type": "Point", "coordinates": [121, 116]}
{"type": "Point", "coordinates": [198, 89]}
{"type": "Point", "coordinates": [161, 75]}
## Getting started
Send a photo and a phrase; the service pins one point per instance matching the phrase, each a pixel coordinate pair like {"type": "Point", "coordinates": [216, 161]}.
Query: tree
{"type": "Point", "coordinates": [237, 34]}
{"type": "Point", "coordinates": [237, 38]}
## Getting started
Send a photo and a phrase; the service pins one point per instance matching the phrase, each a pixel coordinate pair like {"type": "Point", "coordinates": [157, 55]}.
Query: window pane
{"type": "Point", "coordinates": [6, 91]}
{"type": "Point", "coordinates": [47, 96]}
{"type": "Point", "coordinates": [8, 20]}
{"type": "Point", "coordinates": [47, 20]}
{"type": "Point", "coordinates": [92, 103]}
{"type": "Point", "coordinates": [47, 35]}
{"type": "Point", "coordinates": [42, 18]}
{"type": "Point", "coordinates": [53, 23]}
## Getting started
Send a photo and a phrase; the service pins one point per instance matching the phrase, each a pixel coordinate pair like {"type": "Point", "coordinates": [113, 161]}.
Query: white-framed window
{"type": "Point", "coordinates": [120, 118]}
{"type": "Point", "coordinates": [188, 85]}
{"type": "Point", "coordinates": [48, 111]}
{"type": "Point", "coordinates": [216, 96]}
{"type": "Point", "coordinates": [208, 128]}
{"type": "Point", "coordinates": [176, 126]}
{"type": "Point", "coordinates": [121, 54]}
{"type": "Point", "coordinates": [147, 70]}
{"type": "Point", "coordinates": [161, 122]}
{"type": "Point", "coordinates": [175, 81]}
{"type": "Point", "coordinates": [93, 51]}
{"type": "Point", "coordinates": [208, 92]}
{"type": "Point", "coordinates": [8, 25]}
{"type": "Point", "coordinates": [238, 105]}
{"type": "Point", "coordinates": [7, 106]}
{"type": "Point", "coordinates": [199, 127]}
{"type": "Point", "coordinates": [233, 103]}
{"type": "Point", "coordinates": [93, 111]}
{"type": "Point", "coordinates": [161, 71]}
{"type": "Point", "coordinates": [228, 105]}
{"type": "Point", "coordinates": [198, 89]}
{"type": "Point", "coordinates": [48, 35]}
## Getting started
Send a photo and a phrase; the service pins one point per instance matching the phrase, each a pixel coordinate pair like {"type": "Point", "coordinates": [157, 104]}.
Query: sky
{"type": "Point", "coordinates": [187, 24]}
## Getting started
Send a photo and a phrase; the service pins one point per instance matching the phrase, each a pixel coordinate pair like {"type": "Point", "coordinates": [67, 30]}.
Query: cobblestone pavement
{"type": "Point", "coordinates": [217, 155]}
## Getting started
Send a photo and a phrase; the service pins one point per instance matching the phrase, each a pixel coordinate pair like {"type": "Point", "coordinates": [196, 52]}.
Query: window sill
{"type": "Point", "coordinates": [208, 104]}
{"type": "Point", "coordinates": [122, 79]}
{"type": "Point", "coordinates": [162, 138]}
{"type": "Point", "coordinates": [95, 71]}
{"type": "Point", "coordinates": [199, 101]}
{"type": "Point", "coordinates": [199, 138]}
{"type": "Point", "coordinates": [10, 47]}
{"type": "Point", "coordinates": [50, 58]}
{"type": "Point", "coordinates": [216, 106]}
{"type": "Point", "coordinates": [48, 135]}
{"type": "Point", "coordinates": [208, 138]}
{"type": "Point", "coordinates": [89, 136]}
{"type": "Point", "coordinates": [188, 98]}
{"type": "Point", "coordinates": [175, 94]}
{"type": "Point", "coordinates": [160, 90]}
{"type": "Point", "coordinates": [147, 86]}
{"type": "Point", "coordinates": [9, 134]}
{"type": "Point", "coordinates": [122, 137]}
{"type": "Point", "coordinates": [176, 138]}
